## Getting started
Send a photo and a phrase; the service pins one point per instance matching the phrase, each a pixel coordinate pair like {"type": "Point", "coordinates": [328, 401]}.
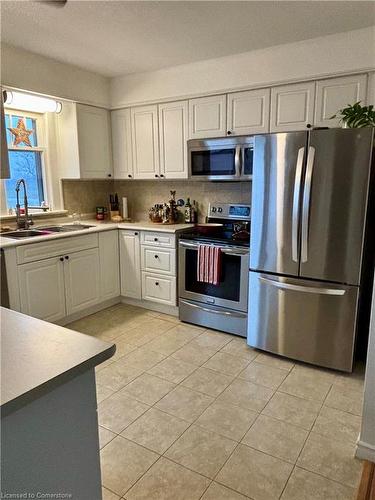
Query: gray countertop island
{"type": "Point", "coordinates": [49, 436]}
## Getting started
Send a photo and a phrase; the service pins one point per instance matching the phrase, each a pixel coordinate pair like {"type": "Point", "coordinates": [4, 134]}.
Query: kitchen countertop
{"type": "Point", "coordinates": [97, 226]}
{"type": "Point", "coordinates": [37, 356]}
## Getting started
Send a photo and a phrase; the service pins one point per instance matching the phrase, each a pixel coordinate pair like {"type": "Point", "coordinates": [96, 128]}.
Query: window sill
{"type": "Point", "coordinates": [36, 215]}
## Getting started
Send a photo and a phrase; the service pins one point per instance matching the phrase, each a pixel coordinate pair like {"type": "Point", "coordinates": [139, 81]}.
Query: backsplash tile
{"type": "Point", "coordinates": [84, 196]}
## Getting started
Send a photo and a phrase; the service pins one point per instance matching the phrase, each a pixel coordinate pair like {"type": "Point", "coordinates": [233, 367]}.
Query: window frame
{"type": "Point", "coordinates": [41, 133]}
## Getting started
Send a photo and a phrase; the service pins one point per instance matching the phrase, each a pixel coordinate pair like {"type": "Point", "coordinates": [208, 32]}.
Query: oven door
{"type": "Point", "coordinates": [232, 291]}
{"type": "Point", "coordinates": [214, 161]}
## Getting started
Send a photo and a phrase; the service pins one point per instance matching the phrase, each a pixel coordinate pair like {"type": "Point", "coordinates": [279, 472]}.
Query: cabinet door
{"type": "Point", "coordinates": [94, 142]}
{"type": "Point", "coordinates": [82, 275]}
{"type": "Point", "coordinates": [173, 125]}
{"type": "Point", "coordinates": [248, 112]}
{"type": "Point", "coordinates": [130, 264]}
{"type": "Point", "coordinates": [42, 289]}
{"type": "Point", "coordinates": [122, 144]}
{"type": "Point", "coordinates": [336, 93]}
{"type": "Point", "coordinates": [109, 265]}
{"type": "Point", "coordinates": [144, 130]}
{"type": "Point", "coordinates": [208, 117]}
{"type": "Point", "coordinates": [292, 107]}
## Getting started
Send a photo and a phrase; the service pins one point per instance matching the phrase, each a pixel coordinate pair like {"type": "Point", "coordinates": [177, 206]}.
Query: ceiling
{"type": "Point", "coordinates": [120, 37]}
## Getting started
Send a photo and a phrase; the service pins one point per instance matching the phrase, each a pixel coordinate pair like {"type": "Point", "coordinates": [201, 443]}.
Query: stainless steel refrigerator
{"type": "Point", "coordinates": [309, 231]}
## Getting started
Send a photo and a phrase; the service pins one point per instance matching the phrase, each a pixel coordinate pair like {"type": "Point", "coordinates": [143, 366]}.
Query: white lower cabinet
{"type": "Point", "coordinates": [130, 264]}
{"type": "Point", "coordinates": [159, 288]}
{"type": "Point", "coordinates": [148, 266]}
{"type": "Point", "coordinates": [42, 289]}
{"type": "Point", "coordinates": [109, 265]}
{"type": "Point", "coordinates": [81, 271]}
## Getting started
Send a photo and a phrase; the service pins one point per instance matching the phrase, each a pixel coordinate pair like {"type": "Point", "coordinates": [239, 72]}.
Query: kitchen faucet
{"type": "Point", "coordinates": [23, 222]}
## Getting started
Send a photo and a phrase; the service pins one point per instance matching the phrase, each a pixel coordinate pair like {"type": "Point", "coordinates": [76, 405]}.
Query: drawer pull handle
{"type": "Point", "coordinates": [156, 239]}
{"type": "Point", "coordinates": [156, 256]}
{"type": "Point", "coordinates": [156, 283]}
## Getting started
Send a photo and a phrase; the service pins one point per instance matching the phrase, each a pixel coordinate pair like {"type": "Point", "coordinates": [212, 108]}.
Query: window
{"type": "Point", "coordinates": [24, 132]}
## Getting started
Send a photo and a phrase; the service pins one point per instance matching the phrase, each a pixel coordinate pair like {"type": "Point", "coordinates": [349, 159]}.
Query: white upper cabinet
{"type": "Point", "coordinates": [248, 112]}
{"type": "Point", "coordinates": [336, 93]}
{"type": "Point", "coordinates": [292, 107]}
{"type": "Point", "coordinates": [94, 142]}
{"type": "Point", "coordinates": [145, 141]}
{"type": "Point", "coordinates": [173, 129]}
{"type": "Point", "coordinates": [207, 117]}
{"type": "Point", "coordinates": [122, 144]}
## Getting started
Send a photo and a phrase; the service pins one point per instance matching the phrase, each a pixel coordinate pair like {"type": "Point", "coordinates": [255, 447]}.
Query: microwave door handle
{"type": "Point", "coordinates": [306, 204]}
{"type": "Point", "coordinates": [237, 161]}
{"type": "Point", "coordinates": [296, 199]}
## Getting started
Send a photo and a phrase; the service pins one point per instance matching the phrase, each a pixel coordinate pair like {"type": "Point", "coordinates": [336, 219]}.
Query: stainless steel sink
{"type": "Point", "coordinates": [66, 228]}
{"type": "Point", "coordinates": [25, 233]}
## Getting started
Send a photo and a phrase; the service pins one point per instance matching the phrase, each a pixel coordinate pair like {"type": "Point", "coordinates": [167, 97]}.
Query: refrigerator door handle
{"type": "Point", "coordinates": [301, 288]}
{"type": "Point", "coordinates": [296, 197]}
{"type": "Point", "coordinates": [306, 203]}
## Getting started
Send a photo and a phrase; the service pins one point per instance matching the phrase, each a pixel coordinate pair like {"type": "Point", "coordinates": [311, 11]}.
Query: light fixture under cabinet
{"type": "Point", "coordinates": [31, 102]}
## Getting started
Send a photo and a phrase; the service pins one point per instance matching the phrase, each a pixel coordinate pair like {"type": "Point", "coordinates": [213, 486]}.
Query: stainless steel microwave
{"type": "Point", "coordinates": [221, 159]}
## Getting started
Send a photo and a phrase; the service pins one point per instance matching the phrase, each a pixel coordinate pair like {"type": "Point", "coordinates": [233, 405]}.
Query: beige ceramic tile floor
{"type": "Point", "coordinates": [187, 413]}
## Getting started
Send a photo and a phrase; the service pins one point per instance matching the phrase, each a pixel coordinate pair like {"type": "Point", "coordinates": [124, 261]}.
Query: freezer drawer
{"type": "Point", "coordinates": [309, 321]}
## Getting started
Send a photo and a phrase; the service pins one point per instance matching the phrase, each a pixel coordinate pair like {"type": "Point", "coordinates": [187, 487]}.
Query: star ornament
{"type": "Point", "coordinates": [21, 134]}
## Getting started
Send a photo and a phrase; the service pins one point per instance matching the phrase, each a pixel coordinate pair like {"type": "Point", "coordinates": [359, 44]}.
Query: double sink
{"type": "Point", "coordinates": [45, 231]}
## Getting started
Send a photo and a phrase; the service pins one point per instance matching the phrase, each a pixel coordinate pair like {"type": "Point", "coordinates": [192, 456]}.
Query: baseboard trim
{"type": "Point", "coordinates": [89, 310]}
{"type": "Point", "coordinates": [152, 306]}
{"type": "Point", "coordinates": [365, 451]}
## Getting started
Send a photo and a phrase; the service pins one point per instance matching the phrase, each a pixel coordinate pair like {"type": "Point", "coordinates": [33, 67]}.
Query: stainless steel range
{"type": "Point", "coordinates": [223, 306]}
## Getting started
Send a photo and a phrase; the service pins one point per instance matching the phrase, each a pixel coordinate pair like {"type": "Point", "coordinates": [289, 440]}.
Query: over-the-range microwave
{"type": "Point", "coordinates": [221, 159]}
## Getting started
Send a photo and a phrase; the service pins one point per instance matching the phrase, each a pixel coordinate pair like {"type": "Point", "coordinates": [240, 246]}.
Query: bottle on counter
{"type": "Point", "coordinates": [188, 212]}
{"type": "Point", "coordinates": [194, 212]}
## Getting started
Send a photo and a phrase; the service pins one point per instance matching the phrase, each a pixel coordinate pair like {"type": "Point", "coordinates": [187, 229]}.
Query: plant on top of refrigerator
{"type": "Point", "coordinates": [356, 116]}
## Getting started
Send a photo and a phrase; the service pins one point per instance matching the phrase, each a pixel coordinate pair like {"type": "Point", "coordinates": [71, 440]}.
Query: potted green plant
{"type": "Point", "coordinates": [356, 116]}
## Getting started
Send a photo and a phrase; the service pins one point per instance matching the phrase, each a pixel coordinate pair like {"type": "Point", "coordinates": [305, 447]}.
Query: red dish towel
{"type": "Point", "coordinates": [209, 264]}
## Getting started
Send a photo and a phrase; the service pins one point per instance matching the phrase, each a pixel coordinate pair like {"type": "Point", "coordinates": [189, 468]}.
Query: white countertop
{"type": "Point", "coordinates": [97, 226]}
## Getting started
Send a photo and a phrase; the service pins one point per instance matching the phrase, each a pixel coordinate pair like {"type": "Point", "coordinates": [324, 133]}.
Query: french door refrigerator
{"type": "Point", "coordinates": [309, 229]}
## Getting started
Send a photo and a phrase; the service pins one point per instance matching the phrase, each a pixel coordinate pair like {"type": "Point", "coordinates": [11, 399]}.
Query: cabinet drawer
{"type": "Point", "coordinates": [44, 250]}
{"type": "Point", "coordinates": [159, 260]}
{"type": "Point", "coordinates": [159, 288]}
{"type": "Point", "coordinates": [158, 239]}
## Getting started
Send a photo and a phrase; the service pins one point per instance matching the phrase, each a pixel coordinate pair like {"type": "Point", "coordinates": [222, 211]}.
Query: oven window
{"type": "Point", "coordinates": [229, 287]}
{"type": "Point", "coordinates": [248, 161]}
{"type": "Point", "coordinates": [213, 162]}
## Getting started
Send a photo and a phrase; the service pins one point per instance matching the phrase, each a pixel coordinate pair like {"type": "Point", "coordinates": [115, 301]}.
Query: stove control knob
{"type": "Point", "coordinates": [213, 209]}
{"type": "Point", "coordinates": [220, 210]}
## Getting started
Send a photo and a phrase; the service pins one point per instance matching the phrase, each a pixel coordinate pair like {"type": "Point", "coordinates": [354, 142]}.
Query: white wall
{"type": "Point", "coordinates": [334, 54]}
{"type": "Point", "coordinates": [366, 444]}
{"type": "Point", "coordinates": [28, 71]}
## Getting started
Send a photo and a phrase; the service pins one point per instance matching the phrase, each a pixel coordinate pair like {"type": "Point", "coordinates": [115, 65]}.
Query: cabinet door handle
{"type": "Point", "coordinates": [156, 175]}
{"type": "Point", "coordinates": [156, 283]}
{"type": "Point", "coordinates": [62, 259]}
{"type": "Point", "coordinates": [135, 234]}
{"type": "Point", "coordinates": [67, 257]}
{"type": "Point", "coordinates": [156, 256]}
{"type": "Point", "coordinates": [129, 176]}
{"type": "Point", "coordinates": [161, 175]}
{"type": "Point", "coordinates": [156, 239]}
{"type": "Point", "coordinates": [109, 175]}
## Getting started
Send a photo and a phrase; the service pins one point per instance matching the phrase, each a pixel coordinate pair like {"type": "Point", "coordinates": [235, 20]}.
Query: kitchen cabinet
{"type": "Point", "coordinates": [158, 288]}
{"type": "Point", "coordinates": [42, 289]}
{"type": "Point", "coordinates": [173, 130]}
{"type": "Point", "coordinates": [248, 112]}
{"type": "Point", "coordinates": [334, 94]}
{"type": "Point", "coordinates": [109, 264]}
{"type": "Point", "coordinates": [130, 264]}
{"type": "Point", "coordinates": [81, 273]}
{"type": "Point", "coordinates": [145, 142]}
{"type": "Point", "coordinates": [122, 144]}
{"type": "Point", "coordinates": [94, 142]}
{"type": "Point", "coordinates": [208, 117]}
{"type": "Point", "coordinates": [292, 107]}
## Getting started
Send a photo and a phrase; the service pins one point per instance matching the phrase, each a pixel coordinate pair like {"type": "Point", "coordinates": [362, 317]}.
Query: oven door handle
{"type": "Point", "coordinates": [213, 311]}
{"type": "Point", "coordinates": [227, 250]}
